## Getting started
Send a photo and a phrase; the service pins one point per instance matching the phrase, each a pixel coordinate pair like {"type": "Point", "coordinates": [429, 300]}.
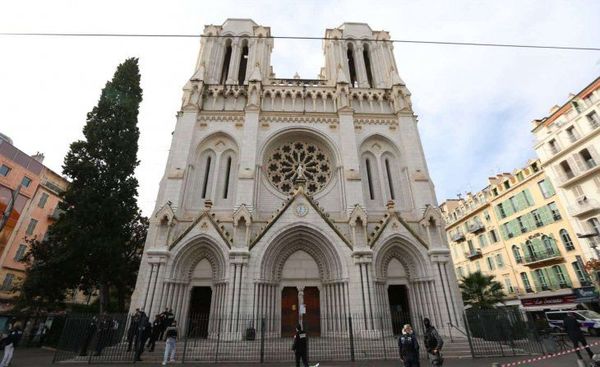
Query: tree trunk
{"type": "Point", "coordinates": [104, 297]}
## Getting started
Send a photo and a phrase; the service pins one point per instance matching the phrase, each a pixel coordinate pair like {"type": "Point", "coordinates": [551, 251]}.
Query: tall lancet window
{"type": "Point", "coordinates": [226, 61]}
{"type": "Point", "coordinates": [243, 63]}
{"type": "Point", "coordinates": [390, 179]}
{"type": "Point", "coordinates": [370, 179]}
{"type": "Point", "coordinates": [352, 65]}
{"type": "Point", "coordinates": [368, 65]}
{"type": "Point", "coordinates": [205, 182]}
{"type": "Point", "coordinates": [227, 176]}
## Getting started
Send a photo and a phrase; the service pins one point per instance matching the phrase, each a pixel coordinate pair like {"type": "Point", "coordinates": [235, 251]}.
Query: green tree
{"type": "Point", "coordinates": [95, 243]}
{"type": "Point", "coordinates": [481, 291]}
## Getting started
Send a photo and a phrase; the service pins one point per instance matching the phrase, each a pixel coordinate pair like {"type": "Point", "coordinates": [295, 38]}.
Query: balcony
{"type": "Point", "coordinates": [55, 214]}
{"type": "Point", "coordinates": [476, 227]}
{"type": "Point", "coordinates": [457, 236]}
{"type": "Point", "coordinates": [583, 206]}
{"type": "Point", "coordinates": [473, 254]}
{"type": "Point", "coordinates": [542, 257]}
{"type": "Point", "coordinates": [553, 285]}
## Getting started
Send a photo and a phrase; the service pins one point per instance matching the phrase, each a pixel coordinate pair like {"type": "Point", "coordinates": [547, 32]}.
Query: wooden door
{"type": "Point", "coordinates": [312, 318]}
{"type": "Point", "coordinates": [289, 311]}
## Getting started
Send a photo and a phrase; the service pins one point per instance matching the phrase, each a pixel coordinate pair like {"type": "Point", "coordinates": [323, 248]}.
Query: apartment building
{"type": "Point", "coordinates": [517, 229]}
{"type": "Point", "coordinates": [568, 146]}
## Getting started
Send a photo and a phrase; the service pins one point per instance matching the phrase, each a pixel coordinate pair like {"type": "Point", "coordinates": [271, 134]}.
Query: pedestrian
{"type": "Point", "coordinates": [103, 334]}
{"type": "Point", "coordinates": [143, 333]}
{"type": "Point", "coordinates": [156, 329]}
{"type": "Point", "coordinates": [575, 334]}
{"type": "Point", "coordinates": [90, 330]}
{"type": "Point", "coordinates": [409, 347]}
{"type": "Point", "coordinates": [10, 342]}
{"type": "Point", "coordinates": [299, 346]}
{"type": "Point", "coordinates": [163, 324]}
{"type": "Point", "coordinates": [433, 344]}
{"type": "Point", "coordinates": [133, 327]}
{"type": "Point", "coordinates": [171, 333]}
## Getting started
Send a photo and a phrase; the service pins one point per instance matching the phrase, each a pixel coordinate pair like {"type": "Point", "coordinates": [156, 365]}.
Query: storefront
{"type": "Point", "coordinates": [535, 305]}
{"type": "Point", "coordinates": [588, 296]}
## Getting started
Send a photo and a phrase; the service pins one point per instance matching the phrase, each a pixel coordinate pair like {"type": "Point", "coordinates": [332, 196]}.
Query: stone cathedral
{"type": "Point", "coordinates": [297, 200]}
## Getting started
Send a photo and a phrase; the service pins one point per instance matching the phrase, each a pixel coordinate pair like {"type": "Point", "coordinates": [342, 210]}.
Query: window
{"type": "Point", "coordinates": [546, 188]}
{"type": "Point", "coordinates": [554, 148]}
{"type": "Point", "coordinates": [520, 176]}
{"type": "Point", "coordinates": [4, 170]}
{"type": "Point", "coordinates": [367, 60]}
{"type": "Point", "coordinates": [537, 218]}
{"type": "Point", "coordinates": [526, 284]}
{"type": "Point", "coordinates": [508, 230]}
{"type": "Point", "coordinates": [493, 236]}
{"type": "Point", "coordinates": [243, 63]}
{"type": "Point", "coordinates": [594, 225]}
{"type": "Point", "coordinates": [227, 174]}
{"type": "Point", "coordinates": [566, 240]}
{"type": "Point", "coordinates": [514, 204]}
{"type": "Point", "coordinates": [226, 62]}
{"type": "Point", "coordinates": [593, 119]}
{"type": "Point", "coordinates": [471, 247]}
{"type": "Point", "coordinates": [43, 200]}
{"type": "Point", "coordinates": [495, 191]}
{"type": "Point", "coordinates": [486, 215]}
{"type": "Point", "coordinates": [351, 65]}
{"type": "Point", "coordinates": [31, 226]}
{"type": "Point", "coordinates": [20, 252]}
{"type": "Point", "coordinates": [501, 210]}
{"type": "Point", "coordinates": [26, 181]}
{"type": "Point", "coordinates": [541, 278]}
{"type": "Point", "coordinates": [499, 261]}
{"type": "Point", "coordinates": [7, 284]}
{"type": "Point", "coordinates": [517, 254]}
{"type": "Point", "coordinates": [508, 285]}
{"type": "Point", "coordinates": [560, 276]}
{"type": "Point", "coordinates": [572, 134]}
{"type": "Point", "coordinates": [506, 184]}
{"type": "Point", "coordinates": [369, 179]}
{"type": "Point", "coordinates": [206, 177]}
{"type": "Point", "coordinates": [555, 212]}
{"type": "Point", "coordinates": [389, 177]}
{"type": "Point", "coordinates": [549, 245]}
{"type": "Point", "coordinates": [587, 158]}
{"type": "Point", "coordinates": [482, 241]}
{"type": "Point", "coordinates": [534, 167]}
{"type": "Point", "coordinates": [566, 169]}
{"type": "Point", "coordinates": [522, 225]}
{"type": "Point", "coordinates": [579, 269]}
{"type": "Point", "coordinates": [490, 262]}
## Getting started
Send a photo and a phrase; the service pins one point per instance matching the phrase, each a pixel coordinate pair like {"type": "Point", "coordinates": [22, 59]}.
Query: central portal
{"type": "Point", "coordinates": [398, 297]}
{"type": "Point", "coordinates": [291, 309]}
{"type": "Point", "coordinates": [199, 312]}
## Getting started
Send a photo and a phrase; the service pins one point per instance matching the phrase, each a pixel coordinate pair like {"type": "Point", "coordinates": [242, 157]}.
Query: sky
{"type": "Point", "coordinates": [474, 105]}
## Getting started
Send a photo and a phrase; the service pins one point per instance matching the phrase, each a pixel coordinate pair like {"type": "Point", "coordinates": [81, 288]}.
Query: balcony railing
{"type": "Point", "coordinates": [542, 256]}
{"type": "Point", "coordinates": [476, 227]}
{"type": "Point", "coordinates": [299, 82]}
{"type": "Point", "coordinates": [473, 254]}
{"type": "Point", "coordinates": [458, 236]}
{"type": "Point", "coordinates": [554, 285]}
{"type": "Point", "coordinates": [583, 207]}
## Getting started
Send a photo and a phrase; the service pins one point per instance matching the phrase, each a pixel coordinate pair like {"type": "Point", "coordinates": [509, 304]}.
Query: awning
{"type": "Point", "coordinates": [564, 306]}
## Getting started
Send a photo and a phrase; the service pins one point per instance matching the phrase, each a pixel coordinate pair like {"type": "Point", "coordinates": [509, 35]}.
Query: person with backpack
{"type": "Point", "coordinates": [433, 343]}
{"type": "Point", "coordinates": [299, 346]}
{"type": "Point", "coordinates": [10, 342]}
{"type": "Point", "coordinates": [409, 347]}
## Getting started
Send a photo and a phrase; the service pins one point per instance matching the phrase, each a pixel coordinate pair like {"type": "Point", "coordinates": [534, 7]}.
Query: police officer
{"type": "Point", "coordinates": [299, 346]}
{"type": "Point", "coordinates": [409, 347]}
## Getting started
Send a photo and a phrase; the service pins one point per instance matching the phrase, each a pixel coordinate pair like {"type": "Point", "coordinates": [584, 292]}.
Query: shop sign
{"type": "Point", "coordinates": [548, 301]}
{"type": "Point", "coordinates": [586, 294]}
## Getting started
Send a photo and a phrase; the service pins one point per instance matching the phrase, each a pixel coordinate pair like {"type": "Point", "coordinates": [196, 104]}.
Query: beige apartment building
{"type": "Point", "coordinates": [517, 229]}
{"type": "Point", "coordinates": [568, 145]}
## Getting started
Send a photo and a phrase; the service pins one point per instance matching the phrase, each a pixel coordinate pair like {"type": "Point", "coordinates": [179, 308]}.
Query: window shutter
{"type": "Point", "coordinates": [528, 198]}
{"type": "Point", "coordinates": [529, 221]}
{"type": "Point", "coordinates": [545, 214]}
{"type": "Point", "coordinates": [580, 164]}
{"type": "Point", "coordinates": [558, 171]}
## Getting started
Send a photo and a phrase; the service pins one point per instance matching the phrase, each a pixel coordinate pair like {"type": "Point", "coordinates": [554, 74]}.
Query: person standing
{"type": "Point", "coordinates": [172, 334]}
{"type": "Point", "coordinates": [575, 334]}
{"type": "Point", "coordinates": [90, 331]}
{"type": "Point", "coordinates": [156, 329]}
{"type": "Point", "coordinates": [409, 347]}
{"type": "Point", "coordinates": [143, 333]}
{"type": "Point", "coordinates": [433, 343]}
{"type": "Point", "coordinates": [133, 327]}
{"type": "Point", "coordinates": [10, 342]}
{"type": "Point", "coordinates": [299, 347]}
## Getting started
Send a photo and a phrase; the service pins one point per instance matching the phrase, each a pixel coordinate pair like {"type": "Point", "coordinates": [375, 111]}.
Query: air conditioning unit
{"type": "Point", "coordinates": [581, 199]}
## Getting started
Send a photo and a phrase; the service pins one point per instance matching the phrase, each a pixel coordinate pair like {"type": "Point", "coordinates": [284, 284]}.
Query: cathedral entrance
{"type": "Point", "coordinates": [200, 301]}
{"type": "Point", "coordinates": [398, 297]}
{"type": "Point", "coordinates": [289, 311]}
{"type": "Point", "coordinates": [311, 320]}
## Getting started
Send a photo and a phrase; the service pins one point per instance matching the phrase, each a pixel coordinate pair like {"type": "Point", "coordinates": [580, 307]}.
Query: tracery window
{"type": "Point", "coordinates": [284, 160]}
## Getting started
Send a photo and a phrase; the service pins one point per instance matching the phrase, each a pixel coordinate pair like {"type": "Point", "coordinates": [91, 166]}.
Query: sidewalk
{"type": "Point", "coordinates": [42, 358]}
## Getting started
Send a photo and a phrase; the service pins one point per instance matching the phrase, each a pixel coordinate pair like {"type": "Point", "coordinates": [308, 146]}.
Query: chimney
{"type": "Point", "coordinates": [38, 157]}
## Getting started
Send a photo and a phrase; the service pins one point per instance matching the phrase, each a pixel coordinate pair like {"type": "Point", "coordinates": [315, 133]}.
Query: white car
{"type": "Point", "coordinates": [589, 321]}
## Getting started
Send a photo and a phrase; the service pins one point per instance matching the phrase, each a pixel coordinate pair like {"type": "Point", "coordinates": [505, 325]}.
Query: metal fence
{"type": "Point", "coordinates": [211, 338]}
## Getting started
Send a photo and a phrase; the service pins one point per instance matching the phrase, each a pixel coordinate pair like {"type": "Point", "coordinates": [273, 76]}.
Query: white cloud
{"type": "Point", "coordinates": [474, 104]}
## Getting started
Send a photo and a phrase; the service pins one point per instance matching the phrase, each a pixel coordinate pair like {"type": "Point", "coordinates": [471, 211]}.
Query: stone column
{"type": "Point", "coordinates": [234, 63]}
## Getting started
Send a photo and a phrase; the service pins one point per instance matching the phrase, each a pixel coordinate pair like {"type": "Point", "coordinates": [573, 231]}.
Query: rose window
{"type": "Point", "coordinates": [283, 162]}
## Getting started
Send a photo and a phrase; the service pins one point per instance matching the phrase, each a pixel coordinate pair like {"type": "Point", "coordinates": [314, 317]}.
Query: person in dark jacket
{"type": "Point", "coordinates": [143, 333]}
{"type": "Point", "coordinates": [409, 347]}
{"type": "Point", "coordinates": [133, 327]}
{"type": "Point", "coordinates": [575, 334]}
{"type": "Point", "coordinates": [90, 330]}
{"type": "Point", "coordinates": [433, 343]}
{"type": "Point", "coordinates": [10, 342]}
{"type": "Point", "coordinates": [103, 335]}
{"type": "Point", "coordinates": [156, 329]}
{"type": "Point", "coordinates": [299, 347]}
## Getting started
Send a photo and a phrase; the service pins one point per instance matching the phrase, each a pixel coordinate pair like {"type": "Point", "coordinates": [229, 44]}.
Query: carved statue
{"type": "Point", "coordinates": [300, 172]}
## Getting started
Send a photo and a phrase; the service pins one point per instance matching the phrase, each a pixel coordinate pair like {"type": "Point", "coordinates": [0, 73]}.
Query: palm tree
{"type": "Point", "coordinates": [481, 291]}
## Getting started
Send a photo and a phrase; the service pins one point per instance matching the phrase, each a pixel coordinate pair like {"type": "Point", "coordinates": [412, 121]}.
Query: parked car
{"type": "Point", "coordinates": [589, 321]}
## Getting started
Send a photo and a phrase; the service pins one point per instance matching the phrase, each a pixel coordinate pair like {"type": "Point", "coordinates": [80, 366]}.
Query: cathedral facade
{"type": "Point", "coordinates": [297, 200]}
